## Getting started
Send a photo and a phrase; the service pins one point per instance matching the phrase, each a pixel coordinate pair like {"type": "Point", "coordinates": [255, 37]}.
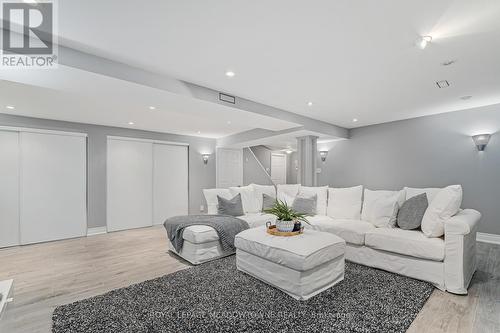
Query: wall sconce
{"type": "Point", "coordinates": [481, 141]}
{"type": "Point", "coordinates": [205, 158]}
{"type": "Point", "coordinates": [323, 154]}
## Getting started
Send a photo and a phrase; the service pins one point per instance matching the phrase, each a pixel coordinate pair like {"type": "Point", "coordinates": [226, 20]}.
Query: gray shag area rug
{"type": "Point", "coordinates": [215, 297]}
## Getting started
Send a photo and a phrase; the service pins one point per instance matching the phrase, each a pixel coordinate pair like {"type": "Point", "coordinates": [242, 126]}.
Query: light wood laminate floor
{"type": "Point", "coordinates": [51, 274]}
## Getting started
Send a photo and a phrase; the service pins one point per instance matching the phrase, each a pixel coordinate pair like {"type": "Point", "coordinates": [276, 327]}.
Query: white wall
{"type": "Point", "coordinates": [424, 152]}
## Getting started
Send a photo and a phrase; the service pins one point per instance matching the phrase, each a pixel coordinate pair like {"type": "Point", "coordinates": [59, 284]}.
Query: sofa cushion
{"type": "Point", "coordinates": [258, 219]}
{"type": "Point", "coordinates": [305, 205]}
{"type": "Point", "coordinates": [446, 203]}
{"type": "Point", "coordinates": [268, 202]}
{"type": "Point", "coordinates": [322, 194]}
{"type": "Point", "coordinates": [211, 198]}
{"type": "Point", "coordinates": [381, 207]}
{"type": "Point", "coordinates": [231, 206]}
{"type": "Point", "coordinates": [352, 231]}
{"type": "Point", "coordinates": [345, 203]}
{"type": "Point", "coordinates": [431, 192]}
{"type": "Point", "coordinates": [406, 242]}
{"type": "Point", "coordinates": [247, 198]}
{"type": "Point", "coordinates": [287, 192]}
{"type": "Point", "coordinates": [199, 234]}
{"type": "Point", "coordinates": [260, 190]}
{"type": "Point", "coordinates": [412, 211]}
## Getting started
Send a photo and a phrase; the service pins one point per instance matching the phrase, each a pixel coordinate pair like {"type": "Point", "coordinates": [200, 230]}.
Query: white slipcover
{"type": "Point", "coordinates": [211, 198]}
{"type": "Point", "coordinates": [260, 190]}
{"type": "Point", "coordinates": [352, 231]}
{"type": "Point", "coordinates": [345, 203]}
{"type": "Point", "coordinates": [408, 242]}
{"type": "Point", "coordinates": [321, 200]}
{"type": "Point", "coordinates": [248, 198]}
{"type": "Point", "coordinates": [302, 253]}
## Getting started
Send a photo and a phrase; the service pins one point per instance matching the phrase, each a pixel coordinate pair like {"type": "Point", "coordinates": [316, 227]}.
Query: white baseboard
{"type": "Point", "coordinates": [488, 238]}
{"type": "Point", "coordinates": [96, 231]}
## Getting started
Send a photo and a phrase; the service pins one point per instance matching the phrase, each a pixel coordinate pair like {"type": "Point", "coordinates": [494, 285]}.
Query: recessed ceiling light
{"type": "Point", "coordinates": [152, 107]}
{"type": "Point", "coordinates": [230, 74]}
{"type": "Point", "coordinates": [354, 120]}
{"type": "Point", "coordinates": [199, 132]}
{"type": "Point", "coordinates": [309, 103]}
{"type": "Point", "coordinates": [131, 123]}
{"type": "Point", "coordinates": [229, 122]}
{"type": "Point", "coordinates": [466, 97]}
{"type": "Point", "coordinates": [423, 41]}
{"type": "Point", "coordinates": [10, 107]}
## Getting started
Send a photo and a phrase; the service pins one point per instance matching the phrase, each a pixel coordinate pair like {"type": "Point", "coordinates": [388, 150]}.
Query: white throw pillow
{"type": "Point", "coordinates": [211, 198]}
{"type": "Point", "coordinates": [287, 191]}
{"type": "Point", "coordinates": [446, 204]}
{"type": "Point", "coordinates": [345, 203]}
{"type": "Point", "coordinates": [259, 190]}
{"type": "Point", "coordinates": [322, 194]}
{"type": "Point", "coordinates": [413, 192]}
{"type": "Point", "coordinates": [247, 198]}
{"type": "Point", "coordinates": [381, 207]}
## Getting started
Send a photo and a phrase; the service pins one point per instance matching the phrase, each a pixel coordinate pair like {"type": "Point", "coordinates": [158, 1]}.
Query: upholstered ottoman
{"type": "Point", "coordinates": [301, 266]}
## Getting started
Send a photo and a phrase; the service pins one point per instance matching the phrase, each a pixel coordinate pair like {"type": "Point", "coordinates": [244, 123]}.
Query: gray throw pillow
{"type": "Point", "coordinates": [305, 205]}
{"type": "Point", "coordinates": [412, 211]}
{"type": "Point", "coordinates": [233, 207]}
{"type": "Point", "coordinates": [267, 202]}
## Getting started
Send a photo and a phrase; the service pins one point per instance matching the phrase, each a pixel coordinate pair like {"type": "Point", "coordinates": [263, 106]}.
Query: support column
{"type": "Point", "coordinates": [306, 155]}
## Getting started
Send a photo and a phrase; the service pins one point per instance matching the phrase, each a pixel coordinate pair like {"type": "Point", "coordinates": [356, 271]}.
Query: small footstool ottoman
{"type": "Point", "coordinates": [301, 266]}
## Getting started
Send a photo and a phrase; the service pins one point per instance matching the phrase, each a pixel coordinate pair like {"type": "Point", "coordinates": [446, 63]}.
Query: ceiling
{"type": "Point", "coordinates": [352, 59]}
{"type": "Point", "coordinates": [70, 94]}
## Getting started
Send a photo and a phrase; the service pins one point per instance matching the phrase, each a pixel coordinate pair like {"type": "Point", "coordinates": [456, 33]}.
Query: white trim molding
{"type": "Point", "coordinates": [96, 231]}
{"type": "Point", "coordinates": [126, 138]}
{"type": "Point", "coordinates": [488, 238]}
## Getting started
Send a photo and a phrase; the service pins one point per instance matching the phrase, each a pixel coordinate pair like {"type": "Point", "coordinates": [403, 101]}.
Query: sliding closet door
{"type": "Point", "coordinates": [130, 184]}
{"type": "Point", "coordinates": [9, 188]}
{"type": "Point", "coordinates": [53, 187]}
{"type": "Point", "coordinates": [170, 182]}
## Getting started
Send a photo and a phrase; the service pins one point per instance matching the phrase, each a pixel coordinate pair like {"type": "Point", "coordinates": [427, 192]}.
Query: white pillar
{"type": "Point", "coordinates": [306, 155]}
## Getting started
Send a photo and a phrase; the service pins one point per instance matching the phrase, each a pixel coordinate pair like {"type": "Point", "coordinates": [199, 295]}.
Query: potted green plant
{"type": "Point", "coordinates": [287, 219]}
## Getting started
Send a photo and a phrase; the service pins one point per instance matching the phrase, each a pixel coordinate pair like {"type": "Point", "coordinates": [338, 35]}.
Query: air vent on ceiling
{"type": "Point", "coordinates": [227, 98]}
{"type": "Point", "coordinates": [443, 84]}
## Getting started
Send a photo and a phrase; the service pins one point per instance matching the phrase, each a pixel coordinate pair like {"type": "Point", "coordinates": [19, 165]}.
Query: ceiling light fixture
{"type": "Point", "coordinates": [131, 123]}
{"type": "Point", "coordinates": [309, 103]}
{"type": "Point", "coordinates": [465, 97]}
{"type": "Point", "coordinates": [423, 41]}
{"type": "Point", "coordinates": [288, 151]}
{"type": "Point", "coordinates": [355, 120]}
{"type": "Point", "coordinates": [229, 122]}
{"type": "Point", "coordinates": [199, 132]}
{"type": "Point", "coordinates": [152, 107]}
{"type": "Point", "coordinates": [230, 74]}
{"type": "Point", "coordinates": [10, 107]}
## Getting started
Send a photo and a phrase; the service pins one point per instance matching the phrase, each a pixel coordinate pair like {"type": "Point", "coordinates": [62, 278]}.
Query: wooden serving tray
{"type": "Point", "coordinates": [273, 231]}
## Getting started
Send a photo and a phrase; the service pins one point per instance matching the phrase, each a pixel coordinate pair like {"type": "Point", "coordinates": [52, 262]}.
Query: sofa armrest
{"type": "Point", "coordinates": [462, 223]}
{"type": "Point", "coordinates": [460, 250]}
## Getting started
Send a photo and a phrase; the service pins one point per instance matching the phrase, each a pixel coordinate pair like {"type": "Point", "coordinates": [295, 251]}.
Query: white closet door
{"type": "Point", "coordinates": [229, 167]}
{"type": "Point", "coordinates": [170, 182]}
{"type": "Point", "coordinates": [53, 187]}
{"type": "Point", "coordinates": [130, 184]}
{"type": "Point", "coordinates": [9, 188]}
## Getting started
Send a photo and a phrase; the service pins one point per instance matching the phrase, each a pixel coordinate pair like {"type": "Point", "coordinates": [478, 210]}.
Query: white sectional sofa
{"type": "Point", "coordinates": [447, 261]}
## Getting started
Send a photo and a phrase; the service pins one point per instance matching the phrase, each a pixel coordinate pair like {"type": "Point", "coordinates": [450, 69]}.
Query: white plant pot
{"type": "Point", "coordinates": [285, 226]}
